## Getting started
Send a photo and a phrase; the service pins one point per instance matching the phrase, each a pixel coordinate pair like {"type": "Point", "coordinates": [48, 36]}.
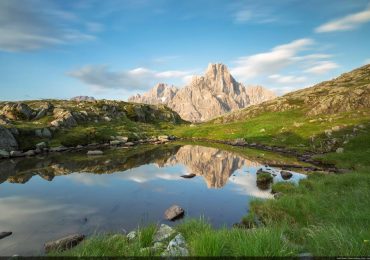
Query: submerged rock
{"type": "Point", "coordinates": [174, 212]}
{"type": "Point", "coordinates": [286, 175]}
{"type": "Point", "coordinates": [5, 234]}
{"type": "Point", "coordinates": [188, 176]}
{"type": "Point", "coordinates": [63, 243]}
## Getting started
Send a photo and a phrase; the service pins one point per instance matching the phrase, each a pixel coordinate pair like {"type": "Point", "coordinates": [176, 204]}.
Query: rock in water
{"type": "Point", "coordinates": [7, 140]}
{"type": "Point", "coordinates": [64, 243]}
{"type": "Point", "coordinates": [286, 175]}
{"type": "Point", "coordinates": [96, 152]}
{"type": "Point", "coordinates": [174, 212]}
{"type": "Point", "coordinates": [188, 176]}
{"type": "Point", "coordinates": [5, 234]}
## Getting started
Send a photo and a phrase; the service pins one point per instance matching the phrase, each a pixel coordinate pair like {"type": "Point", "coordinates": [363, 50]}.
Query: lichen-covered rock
{"type": "Point", "coordinates": [163, 233]}
{"type": "Point", "coordinates": [176, 247]}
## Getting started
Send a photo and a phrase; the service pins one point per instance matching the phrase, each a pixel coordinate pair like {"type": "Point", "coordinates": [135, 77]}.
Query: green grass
{"type": "Point", "coordinates": [290, 129]}
{"type": "Point", "coordinates": [113, 245]}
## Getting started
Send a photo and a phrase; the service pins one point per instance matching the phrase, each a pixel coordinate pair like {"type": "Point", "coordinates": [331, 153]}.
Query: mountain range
{"type": "Point", "coordinates": [206, 97]}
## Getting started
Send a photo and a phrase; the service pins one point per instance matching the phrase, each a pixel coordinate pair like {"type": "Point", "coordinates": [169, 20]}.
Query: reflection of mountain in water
{"type": "Point", "coordinates": [215, 165]}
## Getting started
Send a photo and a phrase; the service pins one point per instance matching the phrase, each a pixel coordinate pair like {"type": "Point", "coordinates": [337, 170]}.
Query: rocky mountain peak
{"type": "Point", "coordinates": [207, 96]}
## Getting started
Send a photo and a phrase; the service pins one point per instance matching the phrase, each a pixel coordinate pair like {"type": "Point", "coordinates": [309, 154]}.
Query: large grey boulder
{"type": "Point", "coordinates": [63, 243]}
{"type": "Point", "coordinates": [7, 140]}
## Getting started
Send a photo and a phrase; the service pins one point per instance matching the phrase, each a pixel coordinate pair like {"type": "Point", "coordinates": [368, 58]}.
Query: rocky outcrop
{"type": "Point", "coordinates": [206, 97]}
{"type": "Point", "coordinates": [7, 140]}
{"type": "Point", "coordinates": [17, 111]}
{"type": "Point", "coordinates": [64, 243]}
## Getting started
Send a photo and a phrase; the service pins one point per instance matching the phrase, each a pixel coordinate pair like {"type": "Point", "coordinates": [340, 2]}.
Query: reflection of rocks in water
{"type": "Point", "coordinates": [215, 165]}
{"type": "Point", "coordinates": [21, 170]}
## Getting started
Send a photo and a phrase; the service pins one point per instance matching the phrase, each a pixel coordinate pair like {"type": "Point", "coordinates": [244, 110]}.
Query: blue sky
{"type": "Point", "coordinates": [116, 48]}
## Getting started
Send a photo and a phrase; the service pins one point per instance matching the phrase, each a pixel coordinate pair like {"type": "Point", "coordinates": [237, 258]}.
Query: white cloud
{"type": "Point", "coordinates": [100, 77]}
{"type": "Point", "coordinates": [287, 79]}
{"type": "Point", "coordinates": [271, 62]}
{"type": "Point", "coordinates": [322, 67]}
{"type": "Point", "coordinates": [32, 24]}
{"type": "Point", "coordinates": [346, 23]}
{"type": "Point", "coordinates": [242, 16]}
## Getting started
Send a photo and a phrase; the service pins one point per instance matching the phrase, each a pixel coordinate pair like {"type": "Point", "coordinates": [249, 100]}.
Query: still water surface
{"type": "Point", "coordinates": [49, 197]}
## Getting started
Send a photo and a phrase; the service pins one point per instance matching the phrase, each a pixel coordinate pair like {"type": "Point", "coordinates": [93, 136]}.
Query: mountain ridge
{"type": "Point", "coordinates": [205, 97]}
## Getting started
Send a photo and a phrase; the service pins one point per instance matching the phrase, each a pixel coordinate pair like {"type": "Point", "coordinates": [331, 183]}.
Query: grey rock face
{"type": "Point", "coordinates": [206, 97]}
{"type": "Point", "coordinates": [96, 152]}
{"type": "Point", "coordinates": [7, 140]}
{"type": "Point", "coordinates": [17, 111]}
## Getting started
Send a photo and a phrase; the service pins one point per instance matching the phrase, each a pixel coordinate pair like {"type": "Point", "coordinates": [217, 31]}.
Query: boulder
{"type": "Point", "coordinates": [176, 247]}
{"type": "Point", "coordinates": [339, 150]}
{"type": "Point", "coordinates": [163, 137]}
{"type": "Point", "coordinates": [41, 145]}
{"type": "Point", "coordinates": [63, 118]}
{"type": "Point", "coordinates": [123, 139]}
{"type": "Point", "coordinates": [16, 154]}
{"type": "Point", "coordinates": [58, 149]}
{"type": "Point", "coordinates": [43, 112]}
{"type": "Point", "coordinates": [95, 152]}
{"type": "Point", "coordinates": [4, 154]}
{"type": "Point", "coordinates": [63, 243]}
{"type": "Point", "coordinates": [286, 175]}
{"type": "Point", "coordinates": [46, 133]}
{"type": "Point", "coordinates": [38, 133]}
{"type": "Point", "coordinates": [132, 235]}
{"type": "Point", "coordinates": [115, 142]}
{"type": "Point", "coordinates": [239, 142]}
{"type": "Point", "coordinates": [7, 140]}
{"type": "Point", "coordinates": [129, 144]}
{"type": "Point", "coordinates": [163, 233]}
{"type": "Point", "coordinates": [30, 153]}
{"type": "Point", "coordinates": [174, 212]}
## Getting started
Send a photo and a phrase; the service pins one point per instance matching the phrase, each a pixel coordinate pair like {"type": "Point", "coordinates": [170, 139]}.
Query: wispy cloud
{"type": "Point", "coordinates": [270, 62]}
{"type": "Point", "coordinates": [346, 23]}
{"type": "Point", "coordinates": [287, 79]}
{"type": "Point", "coordinates": [252, 14]}
{"type": "Point", "coordinates": [322, 67]}
{"type": "Point", "coordinates": [100, 77]}
{"type": "Point", "coordinates": [32, 24]}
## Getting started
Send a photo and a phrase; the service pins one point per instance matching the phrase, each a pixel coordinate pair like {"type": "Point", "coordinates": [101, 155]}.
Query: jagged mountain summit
{"type": "Point", "coordinates": [206, 97]}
